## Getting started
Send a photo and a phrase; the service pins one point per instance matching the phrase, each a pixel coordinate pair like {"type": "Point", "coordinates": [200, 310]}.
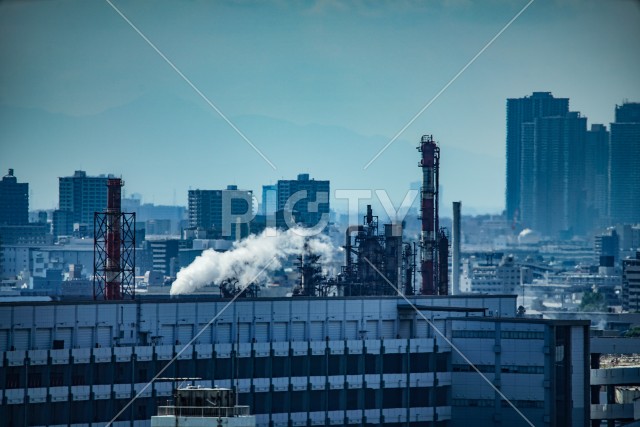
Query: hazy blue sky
{"type": "Point", "coordinates": [319, 87]}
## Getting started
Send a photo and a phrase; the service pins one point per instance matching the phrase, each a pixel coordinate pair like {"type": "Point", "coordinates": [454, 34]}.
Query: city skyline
{"type": "Point", "coordinates": [82, 91]}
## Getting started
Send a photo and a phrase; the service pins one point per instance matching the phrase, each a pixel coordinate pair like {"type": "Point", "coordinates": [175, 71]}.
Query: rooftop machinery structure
{"type": "Point", "coordinates": [434, 244]}
{"type": "Point", "coordinates": [195, 406]}
{"type": "Point", "coordinates": [114, 248]}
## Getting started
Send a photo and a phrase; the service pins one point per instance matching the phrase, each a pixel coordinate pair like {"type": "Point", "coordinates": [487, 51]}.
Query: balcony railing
{"type": "Point", "coordinates": [203, 411]}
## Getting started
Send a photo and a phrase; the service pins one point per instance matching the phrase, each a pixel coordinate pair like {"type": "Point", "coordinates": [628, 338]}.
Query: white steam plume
{"type": "Point", "coordinates": [248, 257]}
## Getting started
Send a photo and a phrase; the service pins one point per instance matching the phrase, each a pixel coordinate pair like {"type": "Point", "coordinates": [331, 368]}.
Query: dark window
{"type": "Point", "coordinates": [244, 367]}
{"type": "Point", "coordinates": [261, 367]}
{"type": "Point", "coordinates": [442, 396]}
{"type": "Point", "coordinates": [13, 380]}
{"type": "Point", "coordinates": [392, 398]}
{"type": "Point", "coordinates": [371, 364]}
{"type": "Point", "coordinates": [244, 399]}
{"type": "Point", "coordinates": [420, 362]}
{"type": "Point", "coordinates": [336, 364]}
{"type": "Point", "coordinates": [260, 403]}
{"type": "Point", "coordinates": [55, 379]}
{"type": "Point", "coordinates": [77, 379]}
{"type": "Point", "coordinates": [392, 364]}
{"type": "Point", "coordinates": [279, 401]}
{"type": "Point", "coordinates": [420, 397]}
{"type": "Point", "coordinates": [279, 367]}
{"type": "Point", "coordinates": [318, 365]}
{"type": "Point", "coordinates": [223, 369]}
{"type": "Point", "coordinates": [35, 379]}
{"type": "Point", "coordinates": [353, 399]}
{"type": "Point", "coordinates": [353, 364]}
{"type": "Point", "coordinates": [370, 398]}
{"type": "Point", "coordinates": [298, 402]}
{"type": "Point", "coordinates": [299, 366]}
{"type": "Point", "coordinates": [141, 413]}
{"type": "Point", "coordinates": [335, 400]}
{"type": "Point", "coordinates": [316, 400]}
{"type": "Point", "coordinates": [442, 362]}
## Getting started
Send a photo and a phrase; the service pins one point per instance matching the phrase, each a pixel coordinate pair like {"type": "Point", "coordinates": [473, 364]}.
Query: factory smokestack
{"type": "Point", "coordinates": [113, 239]}
{"type": "Point", "coordinates": [455, 258]}
{"type": "Point", "coordinates": [429, 163]}
{"type": "Point", "coordinates": [114, 248]}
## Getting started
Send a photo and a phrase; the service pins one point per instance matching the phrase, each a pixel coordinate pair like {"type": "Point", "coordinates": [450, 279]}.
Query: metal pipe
{"type": "Point", "coordinates": [455, 258]}
{"type": "Point", "coordinates": [347, 245]}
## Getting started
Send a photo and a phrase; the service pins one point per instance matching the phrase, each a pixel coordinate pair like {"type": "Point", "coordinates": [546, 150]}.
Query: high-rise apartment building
{"type": "Point", "coordinates": [225, 212]}
{"type": "Point", "coordinates": [80, 197]}
{"type": "Point", "coordinates": [305, 200]}
{"type": "Point", "coordinates": [14, 201]}
{"type": "Point", "coordinates": [596, 175]}
{"type": "Point", "coordinates": [624, 165]}
{"type": "Point", "coordinates": [552, 179]}
{"type": "Point", "coordinates": [521, 111]}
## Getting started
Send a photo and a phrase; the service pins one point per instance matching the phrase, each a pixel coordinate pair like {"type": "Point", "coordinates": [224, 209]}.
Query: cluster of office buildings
{"type": "Point", "coordinates": [564, 179]}
{"type": "Point", "coordinates": [426, 360]}
{"type": "Point", "coordinates": [167, 237]}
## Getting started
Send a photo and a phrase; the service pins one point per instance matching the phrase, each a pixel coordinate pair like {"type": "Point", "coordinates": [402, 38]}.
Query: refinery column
{"type": "Point", "coordinates": [428, 204]}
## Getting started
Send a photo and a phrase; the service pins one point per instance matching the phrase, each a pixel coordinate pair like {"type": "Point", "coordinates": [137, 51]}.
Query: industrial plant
{"type": "Point", "coordinates": [381, 341]}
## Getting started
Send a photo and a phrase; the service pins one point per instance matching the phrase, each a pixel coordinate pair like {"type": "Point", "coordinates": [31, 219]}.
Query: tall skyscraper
{"type": "Point", "coordinates": [307, 200]}
{"type": "Point", "coordinates": [14, 201]}
{"type": "Point", "coordinates": [597, 176]}
{"type": "Point", "coordinates": [519, 112]}
{"type": "Point", "coordinates": [624, 165]}
{"type": "Point", "coordinates": [80, 196]}
{"type": "Point", "coordinates": [225, 212]}
{"type": "Point", "coordinates": [552, 174]}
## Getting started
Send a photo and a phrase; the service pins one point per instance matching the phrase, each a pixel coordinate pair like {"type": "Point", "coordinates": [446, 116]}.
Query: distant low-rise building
{"type": "Point", "coordinates": [80, 197]}
{"type": "Point", "coordinates": [608, 244]}
{"type": "Point", "coordinates": [226, 213]}
{"type": "Point", "coordinates": [14, 259]}
{"type": "Point", "coordinates": [28, 235]}
{"type": "Point", "coordinates": [160, 256]}
{"type": "Point", "coordinates": [303, 201]}
{"type": "Point", "coordinates": [504, 278]}
{"type": "Point", "coordinates": [14, 201]}
{"type": "Point", "coordinates": [631, 283]}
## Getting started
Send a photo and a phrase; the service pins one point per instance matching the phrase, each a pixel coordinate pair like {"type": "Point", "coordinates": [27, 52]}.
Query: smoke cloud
{"type": "Point", "coordinates": [247, 258]}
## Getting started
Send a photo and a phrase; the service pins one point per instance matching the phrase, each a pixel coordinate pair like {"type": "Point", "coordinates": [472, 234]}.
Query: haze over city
{"type": "Point", "coordinates": [174, 183]}
{"type": "Point", "coordinates": [318, 87]}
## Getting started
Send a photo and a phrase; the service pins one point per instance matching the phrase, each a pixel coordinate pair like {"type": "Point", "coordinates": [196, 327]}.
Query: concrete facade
{"type": "Point", "coordinates": [294, 361]}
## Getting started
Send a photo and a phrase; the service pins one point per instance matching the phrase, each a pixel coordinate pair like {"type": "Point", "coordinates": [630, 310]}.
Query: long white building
{"type": "Point", "coordinates": [295, 361]}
